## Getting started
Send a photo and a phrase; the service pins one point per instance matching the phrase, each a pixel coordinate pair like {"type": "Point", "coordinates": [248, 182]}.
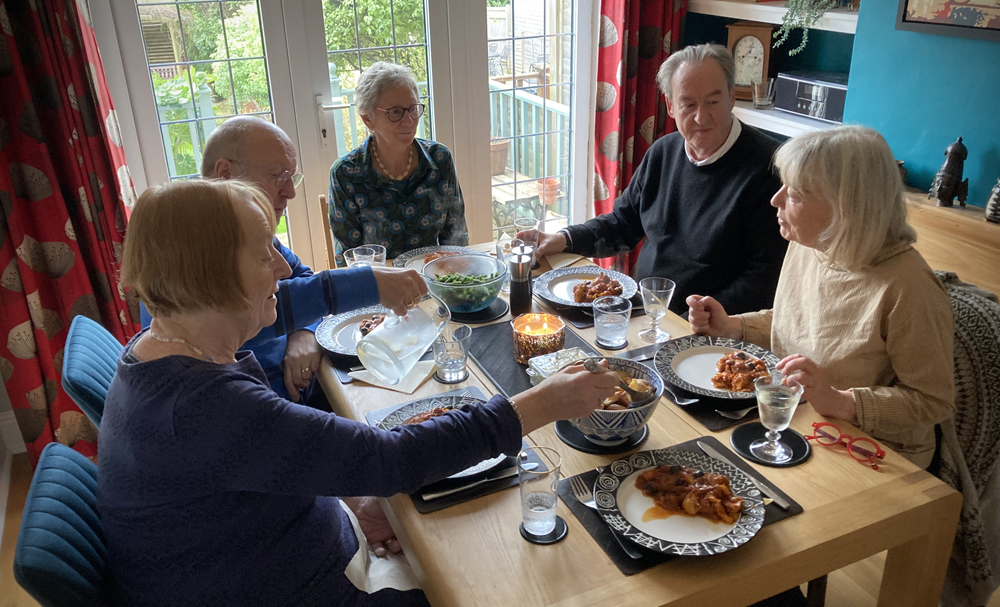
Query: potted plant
{"type": "Point", "coordinates": [498, 155]}
{"type": "Point", "coordinates": [801, 14]}
{"type": "Point", "coordinates": [548, 189]}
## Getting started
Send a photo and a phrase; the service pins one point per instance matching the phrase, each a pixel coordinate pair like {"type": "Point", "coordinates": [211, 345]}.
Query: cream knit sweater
{"type": "Point", "coordinates": [884, 332]}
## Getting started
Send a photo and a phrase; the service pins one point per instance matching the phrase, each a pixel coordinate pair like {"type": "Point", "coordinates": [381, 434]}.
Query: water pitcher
{"type": "Point", "coordinates": [392, 350]}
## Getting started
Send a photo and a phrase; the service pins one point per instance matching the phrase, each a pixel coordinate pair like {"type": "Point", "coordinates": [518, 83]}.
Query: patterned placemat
{"type": "Point", "coordinates": [424, 506]}
{"type": "Point", "coordinates": [492, 347]}
{"type": "Point", "coordinates": [582, 320]}
{"type": "Point", "coordinates": [602, 534]}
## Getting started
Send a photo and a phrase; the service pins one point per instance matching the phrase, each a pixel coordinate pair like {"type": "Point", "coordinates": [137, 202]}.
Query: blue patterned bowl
{"type": "Point", "coordinates": [610, 428]}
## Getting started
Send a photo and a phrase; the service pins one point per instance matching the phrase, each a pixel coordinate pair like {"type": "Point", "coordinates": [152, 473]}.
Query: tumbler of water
{"type": "Point", "coordinates": [777, 399]}
{"type": "Point", "coordinates": [451, 353]}
{"type": "Point", "coordinates": [538, 489]}
{"type": "Point", "coordinates": [611, 316]}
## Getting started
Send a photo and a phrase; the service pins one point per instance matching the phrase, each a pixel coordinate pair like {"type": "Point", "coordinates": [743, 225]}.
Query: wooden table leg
{"type": "Point", "coordinates": [914, 570]}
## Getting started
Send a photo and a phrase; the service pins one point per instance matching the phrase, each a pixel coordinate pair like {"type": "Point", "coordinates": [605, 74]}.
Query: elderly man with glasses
{"type": "Point", "coordinates": [395, 190]}
{"type": "Point", "coordinates": [256, 151]}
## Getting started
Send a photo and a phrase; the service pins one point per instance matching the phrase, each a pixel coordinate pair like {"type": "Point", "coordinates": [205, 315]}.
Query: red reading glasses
{"type": "Point", "coordinates": [863, 449]}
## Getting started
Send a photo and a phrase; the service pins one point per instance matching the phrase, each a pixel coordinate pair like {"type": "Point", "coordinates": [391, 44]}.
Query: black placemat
{"type": "Point", "coordinates": [492, 347]}
{"type": "Point", "coordinates": [423, 506]}
{"type": "Point", "coordinates": [497, 309]}
{"type": "Point", "coordinates": [598, 530]}
{"type": "Point", "coordinates": [742, 437]}
{"type": "Point", "coordinates": [582, 319]}
{"type": "Point", "coordinates": [703, 411]}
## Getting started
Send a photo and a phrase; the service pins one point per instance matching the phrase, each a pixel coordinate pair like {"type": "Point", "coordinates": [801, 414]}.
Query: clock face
{"type": "Point", "coordinates": [749, 55]}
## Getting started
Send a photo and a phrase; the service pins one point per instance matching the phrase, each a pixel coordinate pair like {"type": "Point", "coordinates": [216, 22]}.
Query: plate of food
{"type": "Point", "coordinates": [714, 366]}
{"type": "Point", "coordinates": [579, 287]}
{"type": "Point", "coordinates": [424, 409]}
{"type": "Point", "coordinates": [416, 258]}
{"type": "Point", "coordinates": [339, 334]}
{"type": "Point", "coordinates": [679, 502]}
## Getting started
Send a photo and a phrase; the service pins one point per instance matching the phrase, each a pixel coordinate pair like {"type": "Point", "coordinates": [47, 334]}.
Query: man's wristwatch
{"type": "Point", "coordinates": [569, 239]}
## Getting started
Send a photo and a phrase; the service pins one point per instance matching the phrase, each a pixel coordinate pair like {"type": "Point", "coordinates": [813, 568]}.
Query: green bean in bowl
{"type": "Point", "coordinates": [465, 283]}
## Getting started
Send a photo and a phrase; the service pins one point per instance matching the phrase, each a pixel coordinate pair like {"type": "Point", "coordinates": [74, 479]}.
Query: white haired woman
{"type": "Point", "coordinates": [858, 314]}
{"type": "Point", "coordinates": [394, 190]}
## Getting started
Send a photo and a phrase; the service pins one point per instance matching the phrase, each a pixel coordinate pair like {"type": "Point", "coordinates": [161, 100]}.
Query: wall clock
{"type": "Point", "coordinates": [750, 44]}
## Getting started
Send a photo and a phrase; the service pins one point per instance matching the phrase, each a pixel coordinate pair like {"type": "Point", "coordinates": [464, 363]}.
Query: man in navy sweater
{"type": "Point", "coordinates": [248, 148]}
{"type": "Point", "coordinates": [700, 197]}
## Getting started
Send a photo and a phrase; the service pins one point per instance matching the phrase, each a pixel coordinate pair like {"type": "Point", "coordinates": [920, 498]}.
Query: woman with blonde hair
{"type": "Point", "coordinates": [858, 315]}
{"type": "Point", "coordinates": [214, 490]}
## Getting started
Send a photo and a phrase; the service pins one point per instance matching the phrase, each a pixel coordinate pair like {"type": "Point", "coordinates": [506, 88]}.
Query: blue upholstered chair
{"type": "Point", "coordinates": [61, 549]}
{"type": "Point", "coordinates": [89, 364]}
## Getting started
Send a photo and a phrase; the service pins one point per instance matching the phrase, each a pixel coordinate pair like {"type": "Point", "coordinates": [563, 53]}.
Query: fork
{"type": "Point", "coordinates": [739, 414]}
{"type": "Point", "coordinates": [585, 496]}
{"type": "Point", "coordinates": [678, 400]}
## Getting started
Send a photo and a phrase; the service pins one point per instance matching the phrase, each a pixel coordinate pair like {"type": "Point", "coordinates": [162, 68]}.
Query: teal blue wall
{"type": "Point", "coordinates": [923, 91]}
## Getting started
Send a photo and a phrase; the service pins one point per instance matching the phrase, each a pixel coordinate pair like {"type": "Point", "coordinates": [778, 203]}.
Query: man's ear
{"type": "Point", "coordinates": [670, 107]}
{"type": "Point", "coordinates": [223, 169]}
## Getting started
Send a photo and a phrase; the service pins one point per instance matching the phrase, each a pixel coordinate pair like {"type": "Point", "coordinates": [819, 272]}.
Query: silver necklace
{"type": "Point", "coordinates": [181, 340]}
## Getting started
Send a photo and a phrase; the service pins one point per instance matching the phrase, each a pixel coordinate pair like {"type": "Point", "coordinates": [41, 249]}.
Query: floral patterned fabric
{"type": "Point", "coordinates": [422, 210]}
{"type": "Point", "coordinates": [636, 36]}
{"type": "Point", "coordinates": [64, 194]}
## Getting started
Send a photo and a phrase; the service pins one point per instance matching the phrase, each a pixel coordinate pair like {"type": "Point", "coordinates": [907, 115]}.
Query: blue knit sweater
{"type": "Point", "coordinates": [215, 491]}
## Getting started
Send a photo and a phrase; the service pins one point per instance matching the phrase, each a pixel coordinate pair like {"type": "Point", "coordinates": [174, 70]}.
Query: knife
{"type": "Point", "coordinates": [644, 353]}
{"type": "Point", "coordinates": [495, 476]}
{"type": "Point", "coordinates": [765, 489]}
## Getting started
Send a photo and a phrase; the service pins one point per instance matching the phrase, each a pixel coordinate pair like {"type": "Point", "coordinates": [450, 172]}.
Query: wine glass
{"type": "Point", "coordinates": [777, 399]}
{"type": "Point", "coordinates": [656, 295]}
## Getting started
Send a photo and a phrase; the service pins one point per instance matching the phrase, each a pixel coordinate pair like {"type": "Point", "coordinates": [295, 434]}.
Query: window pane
{"type": "Point", "coordinates": [161, 36]}
{"type": "Point", "coordinates": [559, 17]}
{"type": "Point", "coordinates": [499, 21]}
{"type": "Point", "coordinates": [252, 93]}
{"type": "Point", "coordinates": [242, 31]}
{"type": "Point", "coordinates": [221, 77]}
{"type": "Point", "coordinates": [501, 113]}
{"type": "Point", "coordinates": [409, 18]}
{"type": "Point", "coordinates": [338, 21]}
{"type": "Point", "coordinates": [201, 27]}
{"type": "Point", "coordinates": [529, 113]}
{"type": "Point", "coordinates": [556, 113]}
{"type": "Point", "coordinates": [531, 156]}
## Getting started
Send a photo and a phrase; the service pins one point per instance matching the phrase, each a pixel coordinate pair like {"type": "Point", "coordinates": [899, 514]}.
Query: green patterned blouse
{"type": "Point", "coordinates": [422, 210]}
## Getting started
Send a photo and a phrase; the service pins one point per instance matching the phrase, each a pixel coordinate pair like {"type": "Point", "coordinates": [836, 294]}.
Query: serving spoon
{"type": "Point", "coordinates": [593, 367]}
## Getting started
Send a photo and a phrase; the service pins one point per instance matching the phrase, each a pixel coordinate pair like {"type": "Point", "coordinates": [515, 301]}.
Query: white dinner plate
{"type": "Point", "coordinates": [557, 286]}
{"type": "Point", "coordinates": [414, 259]}
{"type": "Point", "coordinates": [340, 333]}
{"type": "Point", "coordinates": [690, 362]}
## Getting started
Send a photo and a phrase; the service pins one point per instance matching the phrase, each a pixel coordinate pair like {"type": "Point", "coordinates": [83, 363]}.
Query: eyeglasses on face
{"type": "Point", "coordinates": [863, 449]}
{"type": "Point", "coordinates": [395, 114]}
{"type": "Point", "coordinates": [280, 179]}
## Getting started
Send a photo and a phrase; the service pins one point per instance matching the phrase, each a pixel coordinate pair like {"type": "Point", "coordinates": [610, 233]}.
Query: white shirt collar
{"type": "Point", "coordinates": [734, 134]}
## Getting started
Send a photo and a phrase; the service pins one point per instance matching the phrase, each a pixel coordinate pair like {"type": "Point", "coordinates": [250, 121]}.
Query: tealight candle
{"type": "Point", "coordinates": [537, 334]}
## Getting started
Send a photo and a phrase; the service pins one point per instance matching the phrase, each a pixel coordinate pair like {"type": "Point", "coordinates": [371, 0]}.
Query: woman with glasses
{"type": "Point", "coordinates": [857, 315]}
{"type": "Point", "coordinates": [394, 189]}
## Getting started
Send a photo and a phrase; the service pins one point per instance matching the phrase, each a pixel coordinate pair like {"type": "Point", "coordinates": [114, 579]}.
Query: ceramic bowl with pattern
{"type": "Point", "coordinates": [465, 298]}
{"type": "Point", "coordinates": [610, 428]}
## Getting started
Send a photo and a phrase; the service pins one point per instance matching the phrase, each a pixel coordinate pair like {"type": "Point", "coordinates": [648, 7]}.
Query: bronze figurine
{"type": "Point", "coordinates": [948, 182]}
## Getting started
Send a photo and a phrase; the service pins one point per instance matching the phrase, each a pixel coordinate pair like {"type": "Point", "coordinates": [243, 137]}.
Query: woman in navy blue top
{"type": "Point", "coordinates": [213, 490]}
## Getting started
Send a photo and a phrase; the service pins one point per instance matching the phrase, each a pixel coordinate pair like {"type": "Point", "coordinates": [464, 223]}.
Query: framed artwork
{"type": "Point", "coordinates": [966, 18]}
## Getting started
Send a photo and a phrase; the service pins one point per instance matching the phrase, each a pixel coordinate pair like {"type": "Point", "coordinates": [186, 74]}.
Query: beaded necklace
{"type": "Point", "coordinates": [181, 340]}
{"type": "Point", "coordinates": [409, 163]}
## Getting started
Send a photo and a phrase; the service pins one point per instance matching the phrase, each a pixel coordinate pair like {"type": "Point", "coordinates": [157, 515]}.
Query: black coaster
{"type": "Point", "coordinates": [746, 434]}
{"type": "Point", "coordinates": [557, 534]}
{"type": "Point", "coordinates": [574, 438]}
{"type": "Point", "coordinates": [604, 347]}
{"type": "Point", "coordinates": [497, 309]}
{"type": "Point", "coordinates": [438, 379]}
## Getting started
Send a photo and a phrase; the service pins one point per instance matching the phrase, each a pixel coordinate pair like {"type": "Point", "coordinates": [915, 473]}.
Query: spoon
{"type": "Point", "coordinates": [593, 367]}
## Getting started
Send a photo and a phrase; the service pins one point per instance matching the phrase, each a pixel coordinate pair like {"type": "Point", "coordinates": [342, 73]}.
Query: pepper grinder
{"type": "Point", "coordinates": [519, 263]}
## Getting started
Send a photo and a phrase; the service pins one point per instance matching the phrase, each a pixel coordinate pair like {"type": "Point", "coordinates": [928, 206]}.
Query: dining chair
{"type": "Point", "coordinates": [969, 452]}
{"type": "Point", "coordinates": [90, 360]}
{"type": "Point", "coordinates": [61, 547]}
{"type": "Point", "coordinates": [331, 251]}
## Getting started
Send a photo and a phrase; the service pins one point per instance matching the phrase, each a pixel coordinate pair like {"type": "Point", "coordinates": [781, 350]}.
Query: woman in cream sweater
{"type": "Point", "coordinates": [858, 315]}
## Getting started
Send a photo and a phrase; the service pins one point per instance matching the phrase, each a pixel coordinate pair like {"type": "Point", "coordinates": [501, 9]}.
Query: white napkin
{"type": "Point", "coordinates": [408, 385]}
{"type": "Point", "coordinates": [561, 260]}
{"type": "Point", "coordinates": [370, 573]}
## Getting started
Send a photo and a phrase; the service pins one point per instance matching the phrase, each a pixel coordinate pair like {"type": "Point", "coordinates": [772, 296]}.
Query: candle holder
{"type": "Point", "coordinates": [537, 334]}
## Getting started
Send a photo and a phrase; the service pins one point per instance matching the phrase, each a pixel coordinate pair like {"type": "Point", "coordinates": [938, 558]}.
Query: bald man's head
{"type": "Point", "coordinates": [253, 149]}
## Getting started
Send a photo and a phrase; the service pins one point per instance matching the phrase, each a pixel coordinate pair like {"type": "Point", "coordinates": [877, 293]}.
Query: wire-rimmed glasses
{"type": "Point", "coordinates": [395, 114]}
{"type": "Point", "coordinates": [862, 448]}
{"type": "Point", "coordinates": [280, 179]}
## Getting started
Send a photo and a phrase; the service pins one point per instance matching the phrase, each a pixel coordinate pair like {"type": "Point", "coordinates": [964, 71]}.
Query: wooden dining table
{"type": "Point", "coordinates": [473, 553]}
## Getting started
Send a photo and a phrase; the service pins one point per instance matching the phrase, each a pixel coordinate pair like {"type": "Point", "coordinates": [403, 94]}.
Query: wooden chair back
{"type": "Point", "coordinates": [331, 251]}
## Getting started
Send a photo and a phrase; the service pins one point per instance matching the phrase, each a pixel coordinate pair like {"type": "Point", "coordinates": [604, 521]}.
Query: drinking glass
{"type": "Point", "coordinates": [611, 314]}
{"type": "Point", "coordinates": [451, 352]}
{"type": "Point", "coordinates": [763, 94]}
{"type": "Point", "coordinates": [656, 295]}
{"type": "Point", "coordinates": [503, 252]}
{"type": "Point", "coordinates": [526, 229]}
{"type": "Point", "coordinates": [538, 489]}
{"type": "Point", "coordinates": [366, 255]}
{"type": "Point", "coordinates": [777, 399]}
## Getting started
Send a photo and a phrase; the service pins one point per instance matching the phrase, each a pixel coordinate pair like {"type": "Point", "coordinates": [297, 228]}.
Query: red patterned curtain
{"type": "Point", "coordinates": [64, 193]}
{"type": "Point", "coordinates": [636, 36]}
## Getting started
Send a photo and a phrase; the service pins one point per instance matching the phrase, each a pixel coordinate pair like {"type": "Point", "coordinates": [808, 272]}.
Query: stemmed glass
{"type": "Point", "coordinates": [656, 295]}
{"type": "Point", "coordinates": [777, 399]}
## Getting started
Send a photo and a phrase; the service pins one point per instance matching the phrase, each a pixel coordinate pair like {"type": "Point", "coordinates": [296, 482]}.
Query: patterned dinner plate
{"type": "Point", "coordinates": [415, 259]}
{"type": "Point", "coordinates": [622, 506]}
{"type": "Point", "coordinates": [690, 362]}
{"type": "Point", "coordinates": [556, 286]}
{"type": "Point", "coordinates": [405, 412]}
{"type": "Point", "coordinates": [340, 333]}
